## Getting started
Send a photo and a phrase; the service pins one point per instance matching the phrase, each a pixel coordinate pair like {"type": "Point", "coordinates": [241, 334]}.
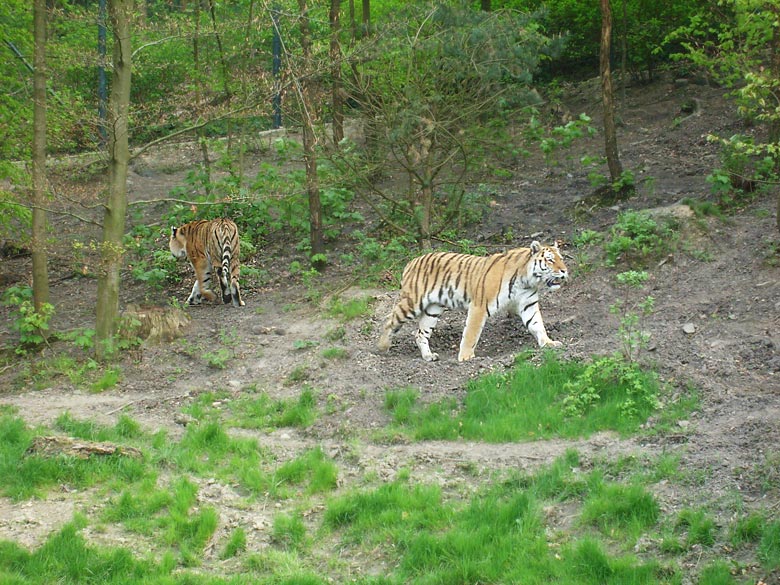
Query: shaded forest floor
{"type": "Point", "coordinates": [723, 278]}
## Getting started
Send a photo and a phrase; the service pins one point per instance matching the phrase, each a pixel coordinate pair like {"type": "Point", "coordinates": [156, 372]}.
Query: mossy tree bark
{"type": "Point", "coordinates": [115, 206]}
{"type": "Point", "coordinates": [39, 219]}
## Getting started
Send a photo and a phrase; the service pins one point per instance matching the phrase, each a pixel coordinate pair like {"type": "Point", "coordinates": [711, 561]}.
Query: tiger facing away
{"type": "Point", "coordinates": [210, 246]}
{"type": "Point", "coordinates": [482, 285]}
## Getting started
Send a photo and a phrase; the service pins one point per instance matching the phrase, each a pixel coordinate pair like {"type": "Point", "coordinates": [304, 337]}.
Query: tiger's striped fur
{"type": "Point", "coordinates": [483, 285]}
{"type": "Point", "coordinates": [210, 246]}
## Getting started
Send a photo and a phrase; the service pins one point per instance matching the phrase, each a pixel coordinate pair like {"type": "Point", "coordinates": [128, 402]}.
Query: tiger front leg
{"type": "Point", "coordinates": [475, 321]}
{"type": "Point", "coordinates": [532, 318]}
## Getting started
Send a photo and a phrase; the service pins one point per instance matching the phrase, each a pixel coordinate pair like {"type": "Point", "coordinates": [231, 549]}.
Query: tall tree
{"type": "Point", "coordinates": [305, 100]}
{"type": "Point", "coordinates": [608, 95]}
{"type": "Point", "coordinates": [335, 72]}
{"type": "Point", "coordinates": [115, 206]}
{"type": "Point", "coordinates": [39, 220]}
{"type": "Point", "coordinates": [366, 18]}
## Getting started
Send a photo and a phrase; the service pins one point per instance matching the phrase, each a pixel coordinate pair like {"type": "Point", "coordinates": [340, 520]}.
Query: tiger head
{"type": "Point", "coordinates": [178, 243]}
{"type": "Point", "coordinates": [546, 265]}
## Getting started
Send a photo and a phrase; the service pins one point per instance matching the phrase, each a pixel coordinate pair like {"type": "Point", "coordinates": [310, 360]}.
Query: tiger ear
{"type": "Point", "coordinates": [535, 247]}
{"type": "Point", "coordinates": [173, 231]}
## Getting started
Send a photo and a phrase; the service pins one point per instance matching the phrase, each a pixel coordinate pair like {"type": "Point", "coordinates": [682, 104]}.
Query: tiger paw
{"type": "Point", "coordinates": [551, 343]}
{"type": "Point", "coordinates": [431, 357]}
{"type": "Point", "coordinates": [466, 357]}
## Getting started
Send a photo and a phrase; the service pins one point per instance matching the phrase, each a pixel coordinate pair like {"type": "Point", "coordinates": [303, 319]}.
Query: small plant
{"type": "Point", "coordinates": [301, 344]}
{"type": "Point", "coordinates": [298, 374]}
{"type": "Point", "coordinates": [636, 238]}
{"type": "Point", "coordinates": [335, 353]}
{"type": "Point", "coordinates": [31, 325]}
{"type": "Point", "coordinates": [631, 333]}
{"type": "Point", "coordinates": [608, 379]}
{"type": "Point", "coordinates": [219, 358]}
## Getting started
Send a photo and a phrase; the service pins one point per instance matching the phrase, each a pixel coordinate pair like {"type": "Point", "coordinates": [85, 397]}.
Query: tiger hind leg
{"type": "Point", "coordinates": [235, 294]}
{"type": "Point", "coordinates": [200, 289]}
{"type": "Point", "coordinates": [401, 313]}
{"type": "Point", "coordinates": [425, 327]}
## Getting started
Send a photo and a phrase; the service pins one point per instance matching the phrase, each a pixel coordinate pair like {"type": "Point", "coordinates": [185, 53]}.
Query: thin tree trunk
{"type": "Point", "coordinates": [607, 94]}
{"type": "Point", "coordinates": [335, 60]}
{"type": "Point", "coordinates": [309, 154]}
{"type": "Point", "coordinates": [774, 127]}
{"type": "Point", "coordinates": [39, 220]}
{"type": "Point", "coordinates": [366, 18]}
{"type": "Point", "coordinates": [222, 59]}
{"type": "Point", "coordinates": [120, 12]}
{"type": "Point", "coordinates": [352, 23]}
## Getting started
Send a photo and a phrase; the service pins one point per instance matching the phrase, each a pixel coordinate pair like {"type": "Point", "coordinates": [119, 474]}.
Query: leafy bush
{"type": "Point", "coordinates": [31, 325]}
{"type": "Point", "coordinates": [612, 379]}
{"type": "Point", "coordinates": [636, 238]}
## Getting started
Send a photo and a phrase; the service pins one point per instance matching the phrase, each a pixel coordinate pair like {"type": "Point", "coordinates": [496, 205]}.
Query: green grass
{"type": "Point", "coordinates": [526, 403]}
{"type": "Point", "coordinates": [23, 475]}
{"type": "Point", "coordinates": [349, 309]}
{"type": "Point", "coordinates": [621, 511]}
{"type": "Point", "coordinates": [496, 536]}
{"type": "Point", "coordinates": [262, 412]}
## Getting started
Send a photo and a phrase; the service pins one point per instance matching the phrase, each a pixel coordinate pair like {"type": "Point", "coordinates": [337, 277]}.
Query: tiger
{"type": "Point", "coordinates": [483, 285]}
{"type": "Point", "coordinates": [210, 245]}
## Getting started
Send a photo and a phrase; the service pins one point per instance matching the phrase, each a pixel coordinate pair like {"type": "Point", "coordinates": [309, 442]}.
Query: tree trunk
{"type": "Point", "coordinates": [335, 65]}
{"type": "Point", "coordinates": [774, 126]}
{"type": "Point", "coordinates": [366, 18]}
{"type": "Point", "coordinates": [222, 60]}
{"type": "Point", "coordinates": [120, 12]}
{"type": "Point", "coordinates": [309, 154]}
{"type": "Point", "coordinates": [352, 24]}
{"type": "Point", "coordinates": [39, 220]}
{"type": "Point", "coordinates": [607, 94]}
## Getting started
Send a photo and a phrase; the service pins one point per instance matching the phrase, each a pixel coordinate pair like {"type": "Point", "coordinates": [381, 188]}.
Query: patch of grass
{"type": "Point", "coordinates": [769, 546]}
{"type": "Point", "coordinates": [700, 528]}
{"type": "Point", "coordinates": [261, 411]}
{"type": "Point", "coordinates": [67, 557]}
{"type": "Point", "coordinates": [235, 544]}
{"type": "Point", "coordinates": [335, 353]}
{"type": "Point", "coordinates": [312, 467]}
{"type": "Point", "coordinates": [587, 562]}
{"type": "Point", "coordinates": [718, 573]}
{"type": "Point", "coordinates": [525, 404]}
{"type": "Point", "coordinates": [747, 529]}
{"type": "Point", "coordinates": [620, 510]}
{"type": "Point", "coordinates": [288, 531]}
{"type": "Point", "coordinates": [350, 309]}
{"type": "Point", "coordinates": [23, 474]}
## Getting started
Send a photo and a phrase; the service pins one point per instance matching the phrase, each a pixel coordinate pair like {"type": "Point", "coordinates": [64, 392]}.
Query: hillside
{"type": "Point", "coordinates": [721, 281]}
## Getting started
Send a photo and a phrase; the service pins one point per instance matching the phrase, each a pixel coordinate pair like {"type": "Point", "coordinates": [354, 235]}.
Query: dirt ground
{"type": "Point", "coordinates": [724, 280]}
